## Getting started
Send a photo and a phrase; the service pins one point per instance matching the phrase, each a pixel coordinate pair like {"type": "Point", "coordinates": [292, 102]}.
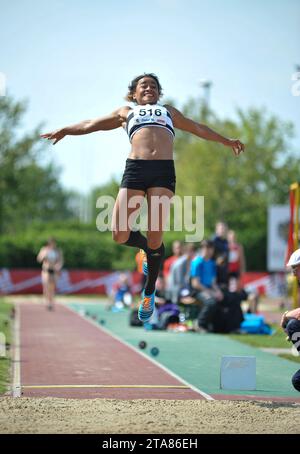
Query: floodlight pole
{"type": "Point", "coordinates": [206, 85]}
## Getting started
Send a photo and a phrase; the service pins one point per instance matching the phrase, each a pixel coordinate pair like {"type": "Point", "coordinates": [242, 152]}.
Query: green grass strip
{"type": "Point", "coordinates": [6, 329]}
{"type": "Point", "coordinates": [276, 340]}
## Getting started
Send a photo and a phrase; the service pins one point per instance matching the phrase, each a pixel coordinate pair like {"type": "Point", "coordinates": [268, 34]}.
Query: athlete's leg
{"type": "Point", "coordinates": [159, 200]}
{"type": "Point", "coordinates": [51, 290]}
{"type": "Point", "coordinates": [45, 279]}
{"type": "Point", "coordinates": [125, 212]}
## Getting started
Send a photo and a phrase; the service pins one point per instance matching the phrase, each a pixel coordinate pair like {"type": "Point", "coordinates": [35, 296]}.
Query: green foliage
{"type": "Point", "coordinates": [82, 245]}
{"type": "Point", "coordinates": [6, 329]}
{"type": "Point", "coordinates": [110, 189]}
{"type": "Point", "coordinates": [87, 249]}
{"type": "Point", "coordinates": [28, 189]}
{"type": "Point", "coordinates": [276, 340]}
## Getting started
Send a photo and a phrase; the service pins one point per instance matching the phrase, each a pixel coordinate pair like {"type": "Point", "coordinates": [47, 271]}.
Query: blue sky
{"type": "Point", "coordinates": [73, 59]}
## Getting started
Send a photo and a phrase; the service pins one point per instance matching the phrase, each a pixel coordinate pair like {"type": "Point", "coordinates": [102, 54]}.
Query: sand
{"type": "Point", "coordinates": [108, 416]}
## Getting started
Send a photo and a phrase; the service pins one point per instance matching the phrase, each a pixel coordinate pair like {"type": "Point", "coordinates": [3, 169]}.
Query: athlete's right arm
{"type": "Point", "coordinates": [112, 121]}
{"type": "Point", "coordinates": [41, 255]}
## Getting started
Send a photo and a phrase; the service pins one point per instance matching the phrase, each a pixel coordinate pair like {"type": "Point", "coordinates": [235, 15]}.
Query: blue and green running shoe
{"type": "Point", "coordinates": [147, 306]}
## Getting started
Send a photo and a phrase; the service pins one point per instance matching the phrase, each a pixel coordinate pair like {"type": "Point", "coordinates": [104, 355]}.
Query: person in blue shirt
{"type": "Point", "coordinates": [203, 280]}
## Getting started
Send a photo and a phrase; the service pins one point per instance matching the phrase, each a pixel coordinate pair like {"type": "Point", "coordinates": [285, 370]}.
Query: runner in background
{"type": "Point", "coordinates": [51, 259]}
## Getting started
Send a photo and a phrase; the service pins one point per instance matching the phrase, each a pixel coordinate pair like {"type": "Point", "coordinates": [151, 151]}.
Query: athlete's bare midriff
{"type": "Point", "coordinates": [151, 143]}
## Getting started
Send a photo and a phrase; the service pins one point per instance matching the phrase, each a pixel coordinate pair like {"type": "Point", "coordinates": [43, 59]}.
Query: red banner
{"type": "Point", "coordinates": [69, 282]}
{"type": "Point", "coordinates": [101, 282]}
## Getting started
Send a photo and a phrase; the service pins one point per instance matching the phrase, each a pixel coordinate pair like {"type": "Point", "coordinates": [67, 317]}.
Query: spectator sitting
{"type": "Point", "coordinates": [236, 260]}
{"type": "Point", "coordinates": [229, 314]}
{"type": "Point", "coordinates": [203, 280]}
{"type": "Point", "coordinates": [221, 253]}
{"type": "Point", "coordinates": [167, 311]}
{"type": "Point", "coordinates": [178, 285]}
{"type": "Point", "coordinates": [121, 293]}
{"type": "Point", "coordinates": [253, 301]}
{"type": "Point", "coordinates": [160, 290]}
{"type": "Point", "coordinates": [177, 252]}
{"type": "Point", "coordinates": [252, 297]}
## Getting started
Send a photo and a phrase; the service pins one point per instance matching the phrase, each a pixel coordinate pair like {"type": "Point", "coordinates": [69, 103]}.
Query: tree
{"type": "Point", "coordinates": [28, 190]}
{"type": "Point", "coordinates": [239, 190]}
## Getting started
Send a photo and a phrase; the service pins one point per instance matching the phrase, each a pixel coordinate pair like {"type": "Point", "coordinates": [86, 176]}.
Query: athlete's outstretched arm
{"type": "Point", "coordinates": [112, 121]}
{"type": "Point", "coordinates": [200, 130]}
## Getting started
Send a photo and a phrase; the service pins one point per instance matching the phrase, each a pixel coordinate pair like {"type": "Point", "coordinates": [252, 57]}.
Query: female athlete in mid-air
{"type": "Point", "coordinates": [149, 169]}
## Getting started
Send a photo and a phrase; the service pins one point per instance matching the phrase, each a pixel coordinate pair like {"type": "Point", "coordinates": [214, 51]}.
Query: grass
{"type": "Point", "coordinates": [276, 340]}
{"type": "Point", "coordinates": [5, 328]}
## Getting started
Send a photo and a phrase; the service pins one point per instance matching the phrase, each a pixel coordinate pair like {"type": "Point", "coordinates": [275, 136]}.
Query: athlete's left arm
{"type": "Point", "coordinates": [200, 130]}
{"type": "Point", "coordinates": [60, 262]}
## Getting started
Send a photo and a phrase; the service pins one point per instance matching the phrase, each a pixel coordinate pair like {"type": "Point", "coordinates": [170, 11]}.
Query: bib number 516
{"type": "Point", "coordinates": [143, 112]}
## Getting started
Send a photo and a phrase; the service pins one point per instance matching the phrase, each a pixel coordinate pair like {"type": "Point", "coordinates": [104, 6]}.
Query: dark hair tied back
{"type": "Point", "coordinates": [133, 84]}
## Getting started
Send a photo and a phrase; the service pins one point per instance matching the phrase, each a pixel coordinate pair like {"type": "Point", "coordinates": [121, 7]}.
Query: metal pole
{"type": "Point", "coordinates": [206, 85]}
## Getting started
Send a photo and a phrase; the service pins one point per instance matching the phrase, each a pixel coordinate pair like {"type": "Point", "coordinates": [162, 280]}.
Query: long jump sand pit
{"type": "Point", "coordinates": [108, 416]}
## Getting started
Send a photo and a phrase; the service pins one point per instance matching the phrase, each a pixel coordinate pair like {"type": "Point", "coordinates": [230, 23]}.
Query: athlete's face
{"type": "Point", "coordinates": [146, 91]}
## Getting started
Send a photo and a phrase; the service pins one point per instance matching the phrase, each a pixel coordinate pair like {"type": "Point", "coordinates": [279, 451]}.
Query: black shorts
{"type": "Point", "coordinates": [149, 173]}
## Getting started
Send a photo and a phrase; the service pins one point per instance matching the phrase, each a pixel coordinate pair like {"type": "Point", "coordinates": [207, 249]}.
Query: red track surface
{"type": "Point", "coordinates": [61, 348]}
